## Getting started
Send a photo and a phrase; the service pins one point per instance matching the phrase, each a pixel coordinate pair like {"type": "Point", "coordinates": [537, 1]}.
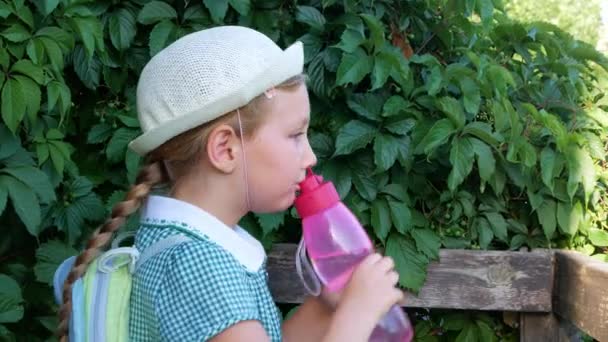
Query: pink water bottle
{"type": "Point", "coordinates": [336, 243]}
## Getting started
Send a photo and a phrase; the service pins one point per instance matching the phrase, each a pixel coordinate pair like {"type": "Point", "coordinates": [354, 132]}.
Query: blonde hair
{"type": "Point", "coordinates": [176, 156]}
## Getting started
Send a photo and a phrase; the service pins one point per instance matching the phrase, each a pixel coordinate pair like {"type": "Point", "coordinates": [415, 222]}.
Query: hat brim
{"type": "Point", "coordinates": [289, 64]}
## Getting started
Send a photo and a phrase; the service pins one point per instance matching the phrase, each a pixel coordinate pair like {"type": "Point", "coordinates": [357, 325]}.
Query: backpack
{"type": "Point", "coordinates": [101, 297]}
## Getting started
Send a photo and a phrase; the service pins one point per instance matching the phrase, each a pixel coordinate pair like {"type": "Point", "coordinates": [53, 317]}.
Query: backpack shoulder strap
{"type": "Point", "coordinates": [158, 247]}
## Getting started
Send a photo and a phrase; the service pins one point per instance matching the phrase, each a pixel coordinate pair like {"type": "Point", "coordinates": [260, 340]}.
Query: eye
{"type": "Point", "coordinates": [297, 135]}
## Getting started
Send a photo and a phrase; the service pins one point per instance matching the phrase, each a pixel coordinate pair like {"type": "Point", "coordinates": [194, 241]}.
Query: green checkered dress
{"type": "Point", "coordinates": [195, 290]}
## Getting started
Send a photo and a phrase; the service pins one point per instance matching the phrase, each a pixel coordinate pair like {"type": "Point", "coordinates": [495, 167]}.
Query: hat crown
{"type": "Point", "coordinates": [198, 69]}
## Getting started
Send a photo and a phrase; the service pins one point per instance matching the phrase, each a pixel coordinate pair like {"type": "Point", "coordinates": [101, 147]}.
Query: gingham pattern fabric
{"type": "Point", "coordinates": [195, 290]}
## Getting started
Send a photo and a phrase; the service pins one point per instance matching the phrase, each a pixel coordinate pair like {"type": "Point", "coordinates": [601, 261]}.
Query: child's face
{"type": "Point", "coordinates": [279, 152]}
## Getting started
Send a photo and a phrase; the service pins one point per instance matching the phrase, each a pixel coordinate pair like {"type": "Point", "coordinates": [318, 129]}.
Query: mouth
{"type": "Point", "coordinates": [297, 190]}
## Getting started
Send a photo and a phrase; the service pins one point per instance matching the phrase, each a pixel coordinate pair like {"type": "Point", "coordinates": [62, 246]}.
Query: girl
{"type": "Point", "coordinates": [224, 114]}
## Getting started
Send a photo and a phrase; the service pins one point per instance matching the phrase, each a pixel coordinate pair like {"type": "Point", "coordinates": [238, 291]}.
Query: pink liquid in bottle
{"type": "Point", "coordinates": [336, 243]}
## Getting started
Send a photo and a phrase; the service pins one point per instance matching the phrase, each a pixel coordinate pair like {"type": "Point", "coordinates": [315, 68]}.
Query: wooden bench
{"type": "Point", "coordinates": [552, 291]}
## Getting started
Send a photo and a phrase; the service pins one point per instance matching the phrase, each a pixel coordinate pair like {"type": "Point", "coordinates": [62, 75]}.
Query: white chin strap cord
{"type": "Point", "coordinates": [238, 115]}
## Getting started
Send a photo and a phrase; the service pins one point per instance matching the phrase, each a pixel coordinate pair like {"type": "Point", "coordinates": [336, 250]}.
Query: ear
{"type": "Point", "coordinates": [222, 148]}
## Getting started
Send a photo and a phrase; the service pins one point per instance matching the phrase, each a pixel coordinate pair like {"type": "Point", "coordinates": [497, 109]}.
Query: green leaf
{"type": "Point", "coordinates": [3, 199]}
{"type": "Point", "coordinates": [381, 218]}
{"type": "Point", "coordinates": [437, 136]}
{"type": "Point", "coordinates": [468, 334]}
{"type": "Point", "coordinates": [24, 202]}
{"type": "Point", "coordinates": [547, 162]}
{"type": "Point", "coordinates": [598, 237]}
{"type": "Point", "coordinates": [310, 16]}
{"type": "Point", "coordinates": [35, 179]}
{"type": "Point", "coordinates": [29, 87]}
{"type": "Point", "coordinates": [27, 68]}
{"type": "Point", "coordinates": [13, 104]}
{"type": "Point", "coordinates": [395, 105]}
{"type": "Point", "coordinates": [316, 73]}
{"type": "Point", "coordinates": [547, 217]}
{"type": "Point", "coordinates": [270, 222]}
{"type": "Point", "coordinates": [581, 170]}
{"type": "Point", "coordinates": [500, 77]}
{"type": "Point", "coordinates": [382, 69]}
{"type": "Point", "coordinates": [99, 133]}
{"type": "Point", "coordinates": [453, 110]}
{"type": "Point", "coordinates": [46, 6]}
{"type": "Point", "coordinates": [498, 224]}
{"type": "Point", "coordinates": [483, 131]}
{"type": "Point", "coordinates": [35, 50]}
{"type": "Point", "coordinates": [353, 136]}
{"type": "Point", "coordinates": [11, 300]}
{"type": "Point", "coordinates": [58, 93]}
{"type": "Point", "coordinates": [486, 8]}
{"type": "Point", "coordinates": [122, 28]}
{"type": "Point", "coordinates": [132, 163]}
{"type": "Point", "coordinates": [155, 11]}
{"type": "Point", "coordinates": [90, 31]}
{"type": "Point", "coordinates": [367, 105]}
{"type": "Point", "coordinates": [217, 8]}
{"type": "Point", "coordinates": [48, 257]}
{"type": "Point", "coordinates": [88, 207]}
{"type": "Point", "coordinates": [161, 35]}
{"type": "Point", "coordinates": [362, 175]}
{"type": "Point", "coordinates": [4, 60]}
{"type": "Point", "coordinates": [118, 143]}
{"type": "Point", "coordinates": [485, 232]}
{"type": "Point", "coordinates": [339, 175]}
{"type": "Point", "coordinates": [353, 68]}
{"type": "Point", "coordinates": [58, 35]}
{"type": "Point", "coordinates": [16, 33]}
{"type": "Point", "coordinates": [42, 153]}
{"type": "Point", "coordinates": [401, 127]}
{"type": "Point", "coordinates": [485, 159]}
{"type": "Point", "coordinates": [376, 30]}
{"type": "Point", "coordinates": [241, 6]}
{"type": "Point", "coordinates": [87, 69]}
{"type": "Point", "coordinates": [9, 143]}
{"type": "Point", "coordinates": [471, 95]}
{"type": "Point", "coordinates": [5, 10]}
{"type": "Point", "coordinates": [57, 158]}
{"type": "Point", "coordinates": [53, 52]}
{"type": "Point", "coordinates": [433, 81]}
{"type": "Point", "coordinates": [401, 216]}
{"type": "Point", "coordinates": [312, 45]}
{"type": "Point", "coordinates": [461, 158]}
{"type": "Point", "coordinates": [410, 264]}
{"type": "Point", "coordinates": [350, 40]}
{"type": "Point", "coordinates": [569, 217]}
{"type": "Point", "coordinates": [427, 242]}
{"type": "Point", "coordinates": [386, 150]}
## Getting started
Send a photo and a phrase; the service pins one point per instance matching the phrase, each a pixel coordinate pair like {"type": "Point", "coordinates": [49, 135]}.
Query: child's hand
{"type": "Point", "coordinates": [371, 290]}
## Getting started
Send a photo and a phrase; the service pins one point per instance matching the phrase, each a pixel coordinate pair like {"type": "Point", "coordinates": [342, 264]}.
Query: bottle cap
{"type": "Point", "coordinates": [315, 195]}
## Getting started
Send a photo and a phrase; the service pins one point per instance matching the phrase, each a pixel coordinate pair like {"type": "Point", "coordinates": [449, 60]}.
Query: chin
{"type": "Point", "coordinates": [278, 206]}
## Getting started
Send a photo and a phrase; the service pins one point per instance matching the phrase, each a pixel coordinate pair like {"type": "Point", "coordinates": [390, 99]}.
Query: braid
{"type": "Point", "coordinates": [150, 175]}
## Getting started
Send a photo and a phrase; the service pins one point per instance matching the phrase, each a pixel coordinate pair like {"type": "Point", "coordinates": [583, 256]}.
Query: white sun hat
{"type": "Point", "coordinates": [205, 75]}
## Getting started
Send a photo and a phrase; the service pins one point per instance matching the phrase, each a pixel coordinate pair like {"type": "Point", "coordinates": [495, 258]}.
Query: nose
{"type": "Point", "coordinates": [309, 159]}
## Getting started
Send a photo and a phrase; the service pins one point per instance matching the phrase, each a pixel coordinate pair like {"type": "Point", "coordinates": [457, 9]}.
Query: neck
{"type": "Point", "coordinates": [218, 194]}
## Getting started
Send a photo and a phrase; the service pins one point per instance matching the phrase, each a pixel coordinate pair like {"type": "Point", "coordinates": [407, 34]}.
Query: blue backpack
{"type": "Point", "coordinates": [100, 298]}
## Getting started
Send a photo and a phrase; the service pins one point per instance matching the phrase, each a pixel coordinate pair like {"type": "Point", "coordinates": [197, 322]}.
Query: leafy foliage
{"type": "Point", "coordinates": [442, 123]}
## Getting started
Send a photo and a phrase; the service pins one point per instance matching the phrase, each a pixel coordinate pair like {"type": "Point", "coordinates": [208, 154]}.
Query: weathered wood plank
{"type": "Point", "coordinates": [546, 327]}
{"type": "Point", "coordinates": [463, 279]}
{"type": "Point", "coordinates": [581, 292]}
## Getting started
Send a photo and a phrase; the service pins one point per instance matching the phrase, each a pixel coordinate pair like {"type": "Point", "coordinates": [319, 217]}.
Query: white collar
{"type": "Point", "coordinates": [244, 247]}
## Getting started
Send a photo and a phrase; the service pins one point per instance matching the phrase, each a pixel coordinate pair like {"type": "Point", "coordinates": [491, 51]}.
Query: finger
{"type": "Point", "coordinates": [371, 259]}
{"type": "Point", "coordinates": [393, 277]}
{"type": "Point", "coordinates": [399, 295]}
{"type": "Point", "coordinates": [386, 264]}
